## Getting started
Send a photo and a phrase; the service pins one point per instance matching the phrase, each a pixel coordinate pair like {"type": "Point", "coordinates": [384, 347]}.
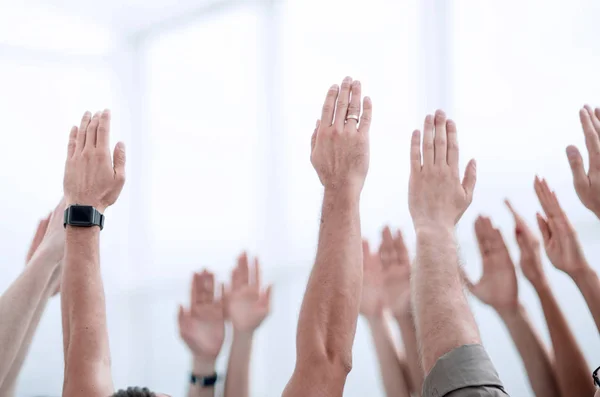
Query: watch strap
{"type": "Point", "coordinates": [97, 219]}
{"type": "Point", "coordinates": [204, 381]}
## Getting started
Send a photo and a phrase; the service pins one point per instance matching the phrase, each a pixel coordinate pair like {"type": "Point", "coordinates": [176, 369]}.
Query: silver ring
{"type": "Point", "coordinates": [352, 117]}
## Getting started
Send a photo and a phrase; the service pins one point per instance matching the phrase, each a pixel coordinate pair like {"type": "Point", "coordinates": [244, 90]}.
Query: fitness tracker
{"type": "Point", "coordinates": [83, 216]}
{"type": "Point", "coordinates": [204, 381]}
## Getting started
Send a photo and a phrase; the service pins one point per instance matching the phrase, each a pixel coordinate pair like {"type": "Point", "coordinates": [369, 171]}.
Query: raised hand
{"type": "Point", "coordinates": [40, 231]}
{"type": "Point", "coordinates": [560, 238]}
{"type": "Point", "coordinates": [436, 195]}
{"type": "Point", "coordinates": [340, 147]}
{"type": "Point", "coordinates": [498, 285]}
{"type": "Point", "coordinates": [587, 185]}
{"type": "Point", "coordinates": [202, 326]}
{"type": "Point", "coordinates": [371, 303]}
{"type": "Point", "coordinates": [396, 272]}
{"type": "Point", "coordinates": [247, 304]}
{"type": "Point", "coordinates": [529, 245]}
{"type": "Point", "coordinates": [91, 176]}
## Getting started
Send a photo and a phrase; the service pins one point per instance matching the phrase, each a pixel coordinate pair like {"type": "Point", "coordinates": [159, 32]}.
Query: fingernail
{"type": "Point", "coordinates": [348, 78]}
{"type": "Point", "coordinates": [356, 84]}
{"type": "Point", "coordinates": [571, 152]}
{"type": "Point", "coordinates": [429, 119]}
{"type": "Point", "coordinates": [334, 87]}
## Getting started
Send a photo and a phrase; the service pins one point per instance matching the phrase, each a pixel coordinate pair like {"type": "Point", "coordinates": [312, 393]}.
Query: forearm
{"type": "Point", "coordinates": [202, 367]}
{"type": "Point", "coordinates": [327, 321]}
{"type": "Point", "coordinates": [87, 352]}
{"type": "Point", "coordinates": [589, 284]}
{"type": "Point", "coordinates": [571, 368]}
{"type": "Point", "coordinates": [18, 306]}
{"type": "Point", "coordinates": [8, 387]}
{"type": "Point", "coordinates": [394, 381]}
{"type": "Point", "coordinates": [540, 371]}
{"type": "Point", "coordinates": [237, 383]}
{"type": "Point", "coordinates": [443, 318]}
{"type": "Point", "coordinates": [406, 323]}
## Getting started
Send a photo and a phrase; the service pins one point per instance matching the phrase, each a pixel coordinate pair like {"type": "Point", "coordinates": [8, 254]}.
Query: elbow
{"type": "Point", "coordinates": [340, 360]}
{"type": "Point", "coordinates": [328, 363]}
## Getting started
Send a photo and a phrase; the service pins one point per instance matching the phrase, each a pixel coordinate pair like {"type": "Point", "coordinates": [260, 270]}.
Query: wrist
{"type": "Point", "coordinates": [429, 231]}
{"type": "Point", "coordinates": [582, 273]}
{"type": "Point", "coordinates": [344, 196]}
{"type": "Point", "coordinates": [243, 336]}
{"type": "Point", "coordinates": [203, 366]}
{"type": "Point", "coordinates": [509, 314]}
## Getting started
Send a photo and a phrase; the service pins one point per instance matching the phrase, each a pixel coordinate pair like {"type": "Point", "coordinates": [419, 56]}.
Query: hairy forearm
{"type": "Point", "coordinates": [327, 322]}
{"type": "Point", "coordinates": [406, 323]}
{"type": "Point", "coordinates": [392, 374]}
{"type": "Point", "coordinates": [18, 306]}
{"type": "Point", "coordinates": [8, 387]}
{"type": "Point", "coordinates": [237, 383]}
{"type": "Point", "coordinates": [571, 368]}
{"type": "Point", "coordinates": [202, 367]}
{"type": "Point", "coordinates": [589, 284]}
{"type": "Point", "coordinates": [87, 352]}
{"type": "Point", "coordinates": [540, 371]}
{"type": "Point", "coordinates": [443, 318]}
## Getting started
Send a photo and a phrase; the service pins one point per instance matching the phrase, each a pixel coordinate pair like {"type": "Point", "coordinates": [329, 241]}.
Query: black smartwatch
{"type": "Point", "coordinates": [83, 216]}
{"type": "Point", "coordinates": [204, 381]}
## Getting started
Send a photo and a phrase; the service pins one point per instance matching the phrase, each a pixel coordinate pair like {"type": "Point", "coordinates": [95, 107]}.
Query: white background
{"type": "Point", "coordinates": [216, 102]}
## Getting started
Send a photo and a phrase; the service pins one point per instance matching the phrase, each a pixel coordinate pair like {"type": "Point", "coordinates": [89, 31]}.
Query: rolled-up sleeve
{"type": "Point", "coordinates": [466, 371]}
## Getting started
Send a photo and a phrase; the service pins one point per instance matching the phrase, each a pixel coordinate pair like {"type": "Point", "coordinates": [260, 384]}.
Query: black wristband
{"type": "Point", "coordinates": [204, 381]}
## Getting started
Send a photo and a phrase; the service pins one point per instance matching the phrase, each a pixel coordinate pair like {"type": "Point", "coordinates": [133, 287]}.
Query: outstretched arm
{"type": "Point", "coordinates": [396, 265]}
{"type": "Point", "coordinates": [392, 368]}
{"type": "Point", "coordinates": [437, 199]}
{"type": "Point", "coordinates": [564, 252]}
{"type": "Point", "coordinates": [247, 307]}
{"type": "Point", "coordinates": [498, 288]}
{"type": "Point", "coordinates": [22, 305]}
{"type": "Point", "coordinates": [90, 179]}
{"type": "Point", "coordinates": [202, 328]}
{"type": "Point", "coordinates": [327, 323]}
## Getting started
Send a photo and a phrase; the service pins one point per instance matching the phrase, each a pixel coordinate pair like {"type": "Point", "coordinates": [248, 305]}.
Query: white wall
{"type": "Point", "coordinates": [217, 113]}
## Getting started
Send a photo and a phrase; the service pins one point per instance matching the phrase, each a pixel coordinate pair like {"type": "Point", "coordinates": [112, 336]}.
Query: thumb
{"type": "Point", "coordinates": [580, 179]}
{"type": "Point", "coordinates": [180, 314]}
{"type": "Point", "coordinates": [313, 139]}
{"type": "Point", "coordinates": [119, 158]}
{"type": "Point", "coordinates": [544, 228]}
{"type": "Point", "coordinates": [470, 178]}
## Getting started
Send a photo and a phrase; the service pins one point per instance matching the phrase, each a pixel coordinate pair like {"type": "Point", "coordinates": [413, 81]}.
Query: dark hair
{"type": "Point", "coordinates": [134, 392]}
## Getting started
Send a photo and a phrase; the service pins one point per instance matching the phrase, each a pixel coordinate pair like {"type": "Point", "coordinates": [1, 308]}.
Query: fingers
{"type": "Point", "coordinates": [547, 199]}
{"type": "Point", "coordinates": [428, 149]}
{"type": "Point", "coordinates": [205, 287]}
{"type": "Point", "coordinates": [592, 142]}
{"type": "Point", "coordinates": [72, 142]}
{"type": "Point", "coordinates": [470, 179]}
{"type": "Point", "coordinates": [399, 245]}
{"type": "Point", "coordinates": [387, 247]}
{"type": "Point", "coordinates": [580, 178]}
{"type": "Point", "coordinates": [480, 234]}
{"type": "Point", "coordinates": [329, 105]}
{"type": "Point", "coordinates": [313, 139]}
{"type": "Point", "coordinates": [85, 121]}
{"type": "Point", "coordinates": [366, 252]}
{"type": "Point", "coordinates": [256, 273]}
{"type": "Point", "coordinates": [452, 136]}
{"type": "Point", "coordinates": [544, 228]}
{"type": "Point", "coordinates": [40, 231]}
{"type": "Point", "coordinates": [415, 151]}
{"type": "Point", "coordinates": [119, 159]}
{"type": "Point", "coordinates": [365, 118]}
{"type": "Point", "coordinates": [92, 130]}
{"type": "Point", "coordinates": [511, 209]}
{"type": "Point", "coordinates": [594, 118]}
{"type": "Point", "coordinates": [440, 140]}
{"type": "Point", "coordinates": [354, 107]}
{"type": "Point", "coordinates": [265, 297]}
{"type": "Point", "coordinates": [103, 135]}
{"type": "Point", "coordinates": [343, 101]}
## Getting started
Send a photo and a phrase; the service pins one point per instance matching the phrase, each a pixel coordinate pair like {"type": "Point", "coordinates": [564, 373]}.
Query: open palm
{"type": "Point", "coordinates": [247, 304]}
{"type": "Point", "coordinates": [371, 302]}
{"type": "Point", "coordinates": [396, 272]}
{"type": "Point", "coordinates": [498, 285]}
{"type": "Point", "coordinates": [202, 327]}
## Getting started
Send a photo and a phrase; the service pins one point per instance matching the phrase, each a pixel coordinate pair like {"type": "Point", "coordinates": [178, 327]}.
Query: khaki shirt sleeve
{"type": "Point", "coordinates": [466, 371]}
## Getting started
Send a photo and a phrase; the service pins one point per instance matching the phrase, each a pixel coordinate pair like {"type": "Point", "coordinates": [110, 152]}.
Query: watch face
{"type": "Point", "coordinates": [81, 214]}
